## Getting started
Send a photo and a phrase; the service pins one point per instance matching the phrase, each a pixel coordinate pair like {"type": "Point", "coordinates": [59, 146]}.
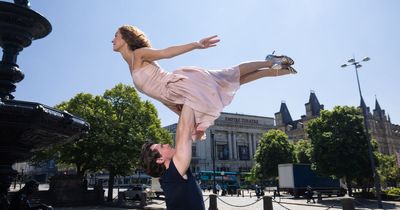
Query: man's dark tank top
{"type": "Point", "coordinates": [180, 193]}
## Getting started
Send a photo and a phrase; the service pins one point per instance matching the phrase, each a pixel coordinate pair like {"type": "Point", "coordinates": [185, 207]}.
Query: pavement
{"type": "Point", "coordinates": [248, 201]}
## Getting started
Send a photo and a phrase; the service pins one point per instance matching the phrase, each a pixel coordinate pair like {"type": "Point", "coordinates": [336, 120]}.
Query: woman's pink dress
{"type": "Point", "coordinates": [207, 92]}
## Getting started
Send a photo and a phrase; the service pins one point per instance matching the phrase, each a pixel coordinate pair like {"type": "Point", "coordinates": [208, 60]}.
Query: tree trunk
{"type": "Point", "coordinates": [110, 186]}
{"type": "Point", "coordinates": [349, 189]}
{"type": "Point", "coordinates": [80, 172]}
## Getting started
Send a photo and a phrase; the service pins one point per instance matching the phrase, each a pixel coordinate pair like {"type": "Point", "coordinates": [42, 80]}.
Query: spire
{"type": "Point", "coordinates": [378, 112]}
{"type": "Point", "coordinates": [286, 118]}
{"type": "Point", "coordinates": [362, 104]}
{"type": "Point", "coordinates": [315, 106]}
{"type": "Point", "coordinates": [377, 107]}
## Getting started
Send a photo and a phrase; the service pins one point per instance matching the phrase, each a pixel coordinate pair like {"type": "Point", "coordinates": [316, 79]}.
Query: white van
{"type": "Point", "coordinates": [156, 187]}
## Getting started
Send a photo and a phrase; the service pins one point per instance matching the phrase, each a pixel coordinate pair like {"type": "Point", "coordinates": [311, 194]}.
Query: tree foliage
{"type": "Point", "coordinates": [120, 124]}
{"type": "Point", "coordinates": [339, 142]}
{"type": "Point", "coordinates": [303, 151]}
{"type": "Point", "coordinates": [274, 149]}
{"type": "Point", "coordinates": [388, 170]}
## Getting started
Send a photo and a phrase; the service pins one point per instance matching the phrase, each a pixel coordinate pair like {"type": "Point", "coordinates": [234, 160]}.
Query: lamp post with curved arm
{"type": "Point", "coordinates": [357, 65]}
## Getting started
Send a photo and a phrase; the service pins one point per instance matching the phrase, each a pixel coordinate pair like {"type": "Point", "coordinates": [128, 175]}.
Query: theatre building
{"type": "Point", "coordinates": [236, 138]}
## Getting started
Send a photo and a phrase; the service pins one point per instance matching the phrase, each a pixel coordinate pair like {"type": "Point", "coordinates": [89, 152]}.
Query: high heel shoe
{"type": "Point", "coordinates": [278, 61]}
{"type": "Point", "coordinates": [285, 68]}
{"type": "Point", "coordinates": [291, 70]}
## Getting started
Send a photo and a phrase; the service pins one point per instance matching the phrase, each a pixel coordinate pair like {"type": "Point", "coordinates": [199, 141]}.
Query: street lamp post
{"type": "Point", "coordinates": [213, 161]}
{"type": "Point", "coordinates": [377, 185]}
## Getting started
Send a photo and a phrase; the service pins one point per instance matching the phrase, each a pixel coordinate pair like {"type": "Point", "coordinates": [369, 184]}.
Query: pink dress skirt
{"type": "Point", "coordinates": [207, 92]}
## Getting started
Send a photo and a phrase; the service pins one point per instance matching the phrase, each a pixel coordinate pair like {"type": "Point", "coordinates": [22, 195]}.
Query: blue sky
{"type": "Point", "coordinates": [319, 35]}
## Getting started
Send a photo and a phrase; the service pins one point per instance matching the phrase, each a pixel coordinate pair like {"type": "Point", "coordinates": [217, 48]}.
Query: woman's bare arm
{"type": "Point", "coordinates": [149, 54]}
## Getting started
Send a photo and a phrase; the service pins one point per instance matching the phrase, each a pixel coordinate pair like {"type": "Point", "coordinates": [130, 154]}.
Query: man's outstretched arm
{"type": "Point", "coordinates": [183, 146]}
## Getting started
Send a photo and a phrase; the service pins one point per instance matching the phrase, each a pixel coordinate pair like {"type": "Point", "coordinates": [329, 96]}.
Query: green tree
{"type": "Point", "coordinates": [340, 144]}
{"type": "Point", "coordinates": [274, 149]}
{"type": "Point", "coordinates": [388, 170]}
{"type": "Point", "coordinates": [120, 124]}
{"type": "Point", "coordinates": [303, 150]}
{"type": "Point", "coordinates": [132, 122]}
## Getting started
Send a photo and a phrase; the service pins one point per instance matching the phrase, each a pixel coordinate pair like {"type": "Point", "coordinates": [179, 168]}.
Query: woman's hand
{"type": "Point", "coordinates": [208, 42]}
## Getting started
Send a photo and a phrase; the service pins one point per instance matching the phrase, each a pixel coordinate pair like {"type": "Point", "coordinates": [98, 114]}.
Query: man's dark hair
{"type": "Point", "coordinates": [148, 160]}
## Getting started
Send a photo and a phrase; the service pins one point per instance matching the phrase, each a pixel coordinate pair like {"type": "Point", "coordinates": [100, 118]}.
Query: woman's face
{"type": "Point", "coordinates": [118, 42]}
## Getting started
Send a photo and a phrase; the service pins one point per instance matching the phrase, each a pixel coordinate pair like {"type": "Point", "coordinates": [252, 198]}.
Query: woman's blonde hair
{"type": "Point", "coordinates": [134, 37]}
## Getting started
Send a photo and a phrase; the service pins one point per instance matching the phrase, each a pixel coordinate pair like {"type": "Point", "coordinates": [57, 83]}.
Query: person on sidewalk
{"type": "Point", "coordinates": [309, 194]}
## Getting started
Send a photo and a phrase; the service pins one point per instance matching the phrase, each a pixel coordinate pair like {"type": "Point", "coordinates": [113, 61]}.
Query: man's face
{"type": "Point", "coordinates": [166, 151]}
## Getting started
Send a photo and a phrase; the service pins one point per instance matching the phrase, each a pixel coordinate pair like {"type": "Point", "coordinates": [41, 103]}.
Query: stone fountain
{"type": "Point", "coordinates": [25, 126]}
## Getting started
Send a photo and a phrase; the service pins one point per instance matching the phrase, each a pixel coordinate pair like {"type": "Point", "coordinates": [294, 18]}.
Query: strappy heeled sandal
{"type": "Point", "coordinates": [279, 60]}
{"type": "Point", "coordinates": [291, 70]}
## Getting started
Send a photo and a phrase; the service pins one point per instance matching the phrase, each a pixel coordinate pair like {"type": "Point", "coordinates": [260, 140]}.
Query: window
{"type": "Point", "coordinates": [244, 153]}
{"type": "Point", "coordinates": [223, 152]}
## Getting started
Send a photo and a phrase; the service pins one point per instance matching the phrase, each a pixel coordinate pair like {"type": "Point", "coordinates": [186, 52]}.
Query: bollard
{"type": "Point", "coordinates": [121, 197]}
{"type": "Point", "coordinates": [319, 197]}
{"type": "Point", "coordinates": [347, 203]}
{"type": "Point", "coordinates": [213, 202]}
{"type": "Point", "coordinates": [267, 203]}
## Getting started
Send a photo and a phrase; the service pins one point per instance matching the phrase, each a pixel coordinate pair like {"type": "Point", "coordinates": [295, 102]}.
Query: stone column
{"type": "Point", "coordinates": [250, 141]}
{"type": "Point", "coordinates": [234, 145]}
{"type": "Point", "coordinates": [230, 141]}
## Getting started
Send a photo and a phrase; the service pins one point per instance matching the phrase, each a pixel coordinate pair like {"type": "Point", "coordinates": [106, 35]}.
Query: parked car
{"type": "Point", "coordinates": [135, 192]}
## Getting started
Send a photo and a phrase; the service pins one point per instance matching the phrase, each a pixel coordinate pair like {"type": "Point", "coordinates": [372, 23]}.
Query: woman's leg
{"type": "Point", "coordinates": [252, 66]}
{"type": "Point", "coordinates": [262, 73]}
{"type": "Point", "coordinates": [272, 66]}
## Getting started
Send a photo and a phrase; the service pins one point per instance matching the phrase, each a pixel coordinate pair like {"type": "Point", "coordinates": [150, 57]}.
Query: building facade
{"type": "Point", "coordinates": [382, 130]}
{"type": "Point", "coordinates": [235, 137]}
{"type": "Point", "coordinates": [295, 129]}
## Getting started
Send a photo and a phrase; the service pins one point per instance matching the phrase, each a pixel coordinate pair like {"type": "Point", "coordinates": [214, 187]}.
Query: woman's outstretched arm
{"type": "Point", "coordinates": [149, 54]}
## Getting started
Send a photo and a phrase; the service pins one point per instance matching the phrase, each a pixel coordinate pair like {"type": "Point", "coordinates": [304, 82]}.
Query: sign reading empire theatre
{"type": "Point", "coordinates": [241, 120]}
{"type": "Point", "coordinates": [244, 120]}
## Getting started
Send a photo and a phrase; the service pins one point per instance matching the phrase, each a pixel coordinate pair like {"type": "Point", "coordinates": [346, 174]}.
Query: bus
{"type": "Point", "coordinates": [227, 180]}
